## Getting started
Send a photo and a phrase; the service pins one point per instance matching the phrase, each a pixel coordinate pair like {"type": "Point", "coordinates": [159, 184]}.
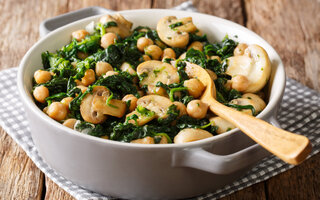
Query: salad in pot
{"type": "Point", "coordinates": [131, 85]}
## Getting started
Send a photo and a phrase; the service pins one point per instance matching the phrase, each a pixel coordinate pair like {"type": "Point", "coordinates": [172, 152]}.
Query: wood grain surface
{"type": "Point", "coordinates": [291, 27]}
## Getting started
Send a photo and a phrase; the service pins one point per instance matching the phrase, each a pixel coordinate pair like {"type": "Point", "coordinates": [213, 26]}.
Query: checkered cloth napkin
{"type": "Point", "coordinates": [299, 113]}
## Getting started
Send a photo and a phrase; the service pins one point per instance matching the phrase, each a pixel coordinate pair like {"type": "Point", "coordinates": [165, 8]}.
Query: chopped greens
{"type": "Point", "coordinates": [68, 67]}
{"type": "Point", "coordinates": [177, 24]}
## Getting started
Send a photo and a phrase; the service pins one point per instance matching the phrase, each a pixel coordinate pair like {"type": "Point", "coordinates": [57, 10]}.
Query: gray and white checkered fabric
{"type": "Point", "coordinates": [299, 113]}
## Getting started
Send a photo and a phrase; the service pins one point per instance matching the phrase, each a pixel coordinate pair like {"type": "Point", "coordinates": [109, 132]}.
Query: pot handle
{"type": "Point", "coordinates": [199, 158]}
{"type": "Point", "coordinates": [53, 23]}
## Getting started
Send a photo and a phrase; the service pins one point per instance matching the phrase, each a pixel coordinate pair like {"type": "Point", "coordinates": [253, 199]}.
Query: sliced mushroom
{"type": "Point", "coordinates": [190, 135]}
{"type": "Point", "coordinates": [86, 106]}
{"type": "Point", "coordinates": [155, 103]}
{"type": "Point", "coordinates": [254, 64]}
{"type": "Point", "coordinates": [259, 103]}
{"type": "Point", "coordinates": [222, 124]}
{"type": "Point", "coordinates": [114, 107]}
{"type": "Point", "coordinates": [154, 71]}
{"type": "Point", "coordinates": [126, 67]}
{"type": "Point", "coordinates": [123, 28]}
{"type": "Point", "coordinates": [142, 119]}
{"type": "Point", "coordinates": [175, 36]}
{"type": "Point", "coordinates": [244, 102]}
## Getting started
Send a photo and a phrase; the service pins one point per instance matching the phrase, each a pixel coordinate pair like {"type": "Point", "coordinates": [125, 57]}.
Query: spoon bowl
{"type": "Point", "coordinates": [289, 147]}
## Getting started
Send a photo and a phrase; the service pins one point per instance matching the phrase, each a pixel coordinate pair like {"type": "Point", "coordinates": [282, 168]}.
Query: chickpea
{"type": "Point", "coordinates": [57, 111]}
{"type": "Point", "coordinates": [195, 87]}
{"type": "Point", "coordinates": [66, 102]}
{"type": "Point", "coordinates": [79, 34]}
{"type": "Point", "coordinates": [133, 101]}
{"type": "Point", "coordinates": [110, 73]}
{"type": "Point", "coordinates": [108, 39]}
{"type": "Point", "coordinates": [102, 68]}
{"type": "Point", "coordinates": [143, 43]}
{"type": "Point", "coordinates": [212, 74]}
{"type": "Point", "coordinates": [126, 67]}
{"type": "Point", "coordinates": [70, 123]}
{"type": "Point", "coordinates": [40, 93]}
{"type": "Point", "coordinates": [82, 55]}
{"type": "Point", "coordinates": [181, 107]}
{"type": "Point", "coordinates": [156, 90]}
{"type": "Point", "coordinates": [168, 53]}
{"type": "Point", "coordinates": [163, 140]}
{"type": "Point", "coordinates": [82, 88]}
{"type": "Point", "coordinates": [146, 58]}
{"type": "Point", "coordinates": [89, 77]}
{"type": "Point", "coordinates": [197, 109]}
{"type": "Point", "coordinates": [41, 76]}
{"type": "Point", "coordinates": [146, 140]}
{"type": "Point", "coordinates": [154, 51]}
{"type": "Point", "coordinates": [196, 45]}
{"type": "Point", "coordinates": [228, 85]}
{"type": "Point", "coordinates": [240, 83]}
{"type": "Point", "coordinates": [239, 50]}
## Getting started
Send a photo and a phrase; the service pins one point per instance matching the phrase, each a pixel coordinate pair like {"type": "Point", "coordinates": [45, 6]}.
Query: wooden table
{"type": "Point", "coordinates": [291, 27]}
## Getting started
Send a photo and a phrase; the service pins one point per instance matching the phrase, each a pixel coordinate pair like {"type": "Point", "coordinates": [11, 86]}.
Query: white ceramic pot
{"type": "Point", "coordinates": [137, 171]}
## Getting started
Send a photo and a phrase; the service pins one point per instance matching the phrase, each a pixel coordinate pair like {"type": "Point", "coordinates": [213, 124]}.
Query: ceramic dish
{"type": "Point", "coordinates": [138, 171]}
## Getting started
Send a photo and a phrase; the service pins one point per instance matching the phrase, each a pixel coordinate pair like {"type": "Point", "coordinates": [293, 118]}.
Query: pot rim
{"type": "Point", "coordinates": [271, 106]}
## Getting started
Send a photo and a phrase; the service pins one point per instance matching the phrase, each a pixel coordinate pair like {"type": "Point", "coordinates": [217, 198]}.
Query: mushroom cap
{"type": "Point", "coordinates": [123, 28]}
{"type": "Point", "coordinates": [86, 107]}
{"type": "Point", "coordinates": [190, 135]}
{"type": "Point", "coordinates": [155, 103]}
{"type": "Point", "coordinates": [178, 36]}
{"type": "Point", "coordinates": [156, 71]}
{"type": "Point", "coordinates": [254, 64]}
{"type": "Point", "coordinates": [222, 124]}
{"type": "Point", "coordinates": [258, 103]}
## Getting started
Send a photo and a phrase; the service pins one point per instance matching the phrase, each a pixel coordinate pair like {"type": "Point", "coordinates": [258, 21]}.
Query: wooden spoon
{"type": "Point", "coordinates": [289, 147]}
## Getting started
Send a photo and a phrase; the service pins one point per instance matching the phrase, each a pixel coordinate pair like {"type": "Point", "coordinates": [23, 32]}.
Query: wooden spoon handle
{"type": "Point", "coordinates": [289, 147]}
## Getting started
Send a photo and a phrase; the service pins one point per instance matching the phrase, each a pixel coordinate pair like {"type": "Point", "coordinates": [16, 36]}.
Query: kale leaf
{"type": "Point", "coordinates": [119, 84]}
{"type": "Point", "coordinates": [224, 49]}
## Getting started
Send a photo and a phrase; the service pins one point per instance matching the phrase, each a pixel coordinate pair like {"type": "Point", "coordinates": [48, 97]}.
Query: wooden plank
{"type": "Point", "coordinates": [301, 182]}
{"type": "Point", "coordinates": [55, 192]}
{"type": "Point", "coordinates": [292, 28]}
{"type": "Point", "coordinates": [227, 9]}
{"type": "Point", "coordinates": [110, 4]}
{"type": "Point", "coordinates": [19, 177]}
